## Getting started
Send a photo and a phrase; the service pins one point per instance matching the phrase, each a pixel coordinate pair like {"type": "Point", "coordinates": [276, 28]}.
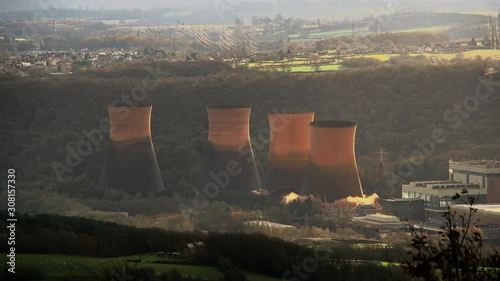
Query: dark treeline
{"type": "Point", "coordinates": [162, 69]}
{"type": "Point", "coordinates": [54, 234]}
{"type": "Point", "coordinates": [396, 107]}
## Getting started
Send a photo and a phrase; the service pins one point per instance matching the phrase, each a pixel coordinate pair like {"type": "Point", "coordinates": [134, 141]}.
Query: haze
{"type": "Point", "coordinates": [305, 5]}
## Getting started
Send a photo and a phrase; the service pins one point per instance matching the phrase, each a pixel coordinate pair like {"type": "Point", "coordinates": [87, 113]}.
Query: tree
{"type": "Point", "coordinates": [456, 253]}
{"type": "Point", "coordinates": [297, 24]}
{"type": "Point", "coordinates": [321, 45]}
{"type": "Point", "coordinates": [279, 19]}
{"type": "Point", "coordinates": [314, 58]}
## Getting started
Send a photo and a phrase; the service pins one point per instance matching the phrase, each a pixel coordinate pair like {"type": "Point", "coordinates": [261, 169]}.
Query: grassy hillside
{"type": "Point", "coordinates": [59, 266]}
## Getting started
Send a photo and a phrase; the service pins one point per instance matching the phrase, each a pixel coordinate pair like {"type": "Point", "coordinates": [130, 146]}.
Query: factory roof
{"type": "Point", "coordinates": [441, 184]}
{"type": "Point", "coordinates": [491, 208]}
{"type": "Point", "coordinates": [268, 224]}
{"type": "Point", "coordinates": [402, 199]}
{"type": "Point", "coordinates": [478, 163]}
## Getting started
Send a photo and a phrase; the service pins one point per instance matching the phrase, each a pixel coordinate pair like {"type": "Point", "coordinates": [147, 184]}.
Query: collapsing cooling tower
{"type": "Point", "coordinates": [130, 163]}
{"type": "Point", "coordinates": [288, 149]}
{"type": "Point", "coordinates": [332, 172]}
{"type": "Point", "coordinates": [229, 158]}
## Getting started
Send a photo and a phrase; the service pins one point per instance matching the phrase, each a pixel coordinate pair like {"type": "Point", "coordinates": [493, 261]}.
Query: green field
{"type": "Point", "coordinates": [495, 54]}
{"type": "Point", "coordinates": [348, 32]}
{"type": "Point", "coordinates": [64, 265]}
{"type": "Point", "coordinates": [152, 257]}
{"type": "Point", "coordinates": [304, 68]}
{"type": "Point", "coordinates": [425, 29]}
{"type": "Point", "coordinates": [309, 68]}
{"type": "Point", "coordinates": [177, 14]}
{"type": "Point", "coordinates": [280, 63]}
{"type": "Point", "coordinates": [327, 34]}
{"type": "Point", "coordinates": [482, 13]}
{"type": "Point", "coordinates": [304, 65]}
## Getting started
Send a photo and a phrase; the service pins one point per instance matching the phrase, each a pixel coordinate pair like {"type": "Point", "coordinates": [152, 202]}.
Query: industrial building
{"type": "Point", "coordinates": [229, 158]}
{"type": "Point", "coordinates": [130, 162]}
{"type": "Point", "coordinates": [437, 195]}
{"type": "Point", "coordinates": [269, 228]}
{"type": "Point", "coordinates": [380, 222]}
{"type": "Point", "coordinates": [289, 147]}
{"type": "Point", "coordinates": [407, 209]}
{"type": "Point", "coordinates": [365, 209]}
{"type": "Point", "coordinates": [332, 172]}
{"type": "Point", "coordinates": [488, 214]}
{"type": "Point", "coordinates": [487, 217]}
{"type": "Point", "coordinates": [485, 173]}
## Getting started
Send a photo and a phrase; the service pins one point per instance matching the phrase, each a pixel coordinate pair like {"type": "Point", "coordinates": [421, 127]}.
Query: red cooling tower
{"type": "Point", "coordinates": [130, 162]}
{"type": "Point", "coordinates": [332, 172]}
{"type": "Point", "coordinates": [288, 150]}
{"type": "Point", "coordinates": [229, 158]}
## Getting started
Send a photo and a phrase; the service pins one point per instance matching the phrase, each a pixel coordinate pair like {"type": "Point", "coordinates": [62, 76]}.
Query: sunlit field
{"type": "Point", "coordinates": [360, 31]}
{"type": "Point", "coordinates": [330, 63]}
{"type": "Point", "coordinates": [330, 67]}
{"type": "Point", "coordinates": [426, 29]}
{"type": "Point", "coordinates": [482, 12]}
{"type": "Point", "coordinates": [495, 54]}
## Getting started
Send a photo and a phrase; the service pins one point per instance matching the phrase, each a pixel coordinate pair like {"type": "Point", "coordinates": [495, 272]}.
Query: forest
{"type": "Point", "coordinates": [396, 106]}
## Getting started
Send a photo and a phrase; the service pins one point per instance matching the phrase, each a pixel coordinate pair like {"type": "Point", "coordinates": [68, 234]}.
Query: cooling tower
{"type": "Point", "coordinates": [130, 163]}
{"type": "Point", "coordinates": [229, 159]}
{"type": "Point", "coordinates": [332, 172]}
{"type": "Point", "coordinates": [288, 149]}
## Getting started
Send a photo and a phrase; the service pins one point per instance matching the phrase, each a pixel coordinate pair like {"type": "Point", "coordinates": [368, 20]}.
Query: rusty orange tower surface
{"type": "Point", "coordinates": [290, 142]}
{"type": "Point", "coordinates": [332, 172]}
{"type": "Point", "coordinates": [229, 158]}
{"type": "Point", "coordinates": [130, 163]}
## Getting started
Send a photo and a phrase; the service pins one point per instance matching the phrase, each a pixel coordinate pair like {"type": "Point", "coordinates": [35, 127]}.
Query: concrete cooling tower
{"type": "Point", "coordinates": [130, 163]}
{"type": "Point", "coordinates": [332, 172]}
{"type": "Point", "coordinates": [290, 142]}
{"type": "Point", "coordinates": [229, 158]}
